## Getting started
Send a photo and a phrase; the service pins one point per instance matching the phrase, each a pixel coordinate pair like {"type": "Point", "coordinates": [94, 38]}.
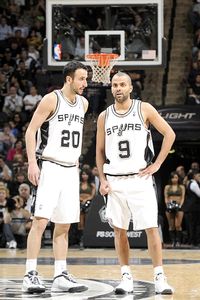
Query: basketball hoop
{"type": "Point", "coordinates": [101, 64]}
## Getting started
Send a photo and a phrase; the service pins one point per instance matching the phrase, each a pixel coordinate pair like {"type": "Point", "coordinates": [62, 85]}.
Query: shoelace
{"type": "Point", "coordinates": [70, 277]}
{"type": "Point", "coordinates": [34, 279]}
{"type": "Point", "coordinates": [160, 275]}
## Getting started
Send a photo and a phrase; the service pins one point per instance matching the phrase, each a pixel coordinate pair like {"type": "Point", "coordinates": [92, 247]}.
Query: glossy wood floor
{"type": "Point", "coordinates": [182, 268]}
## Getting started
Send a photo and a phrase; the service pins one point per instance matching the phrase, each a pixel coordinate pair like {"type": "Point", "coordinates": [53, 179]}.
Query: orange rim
{"type": "Point", "coordinates": [103, 59]}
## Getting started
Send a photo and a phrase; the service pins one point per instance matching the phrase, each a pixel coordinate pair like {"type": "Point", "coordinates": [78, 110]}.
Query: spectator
{"type": "Point", "coordinates": [193, 92]}
{"type": "Point", "coordinates": [16, 223]}
{"type": "Point", "coordinates": [7, 139]}
{"type": "Point", "coordinates": [5, 171]}
{"type": "Point", "coordinates": [180, 170]}
{"type": "Point", "coordinates": [192, 208]}
{"type": "Point", "coordinates": [13, 185]}
{"type": "Point", "coordinates": [3, 203]}
{"type": "Point", "coordinates": [5, 30]}
{"type": "Point", "coordinates": [4, 84]}
{"type": "Point", "coordinates": [34, 39]}
{"type": "Point", "coordinates": [31, 100]}
{"type": "Point", "coordinates": [7, 58]}
{"type": "Point", "coordinates": [13, 102]}
{"type": "Point", "coordinates": [17, 149]}
{"type": "Point", "coordinates": [22, 27]}
{"type": "Point", "coordinates": [25, 194]}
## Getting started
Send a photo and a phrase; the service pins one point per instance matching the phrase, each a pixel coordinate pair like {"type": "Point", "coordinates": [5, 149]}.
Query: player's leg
{"type": "Point", "coordinates": [155, 251]}
{"type": "Point", "coordinates": [32, 282]}
{"type": "Point", "coordinates": [66, 212]}
{"type": "Point", "coordinates": [122, 250]}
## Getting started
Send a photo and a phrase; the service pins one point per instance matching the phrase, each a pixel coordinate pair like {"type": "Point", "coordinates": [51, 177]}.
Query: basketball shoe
{"type": "Point", "coordinates": [161, 285]}
{"type": "Point", "coordinates": [126, 285]}
{"type": "Point", "coordinates": [65, 282]}
{"type": "Point", "coordinates": [32, 283]}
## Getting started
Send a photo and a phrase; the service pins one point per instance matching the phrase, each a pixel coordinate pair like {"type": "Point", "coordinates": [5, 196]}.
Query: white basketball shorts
{"type": "Point", "coordinates": [132, 197]}
{"type": "Point", "coordinates": [57, 197]}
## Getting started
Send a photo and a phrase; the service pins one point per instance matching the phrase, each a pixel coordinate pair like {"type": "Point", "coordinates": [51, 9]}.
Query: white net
{"type": "Point", "coordinates": [102, 73]}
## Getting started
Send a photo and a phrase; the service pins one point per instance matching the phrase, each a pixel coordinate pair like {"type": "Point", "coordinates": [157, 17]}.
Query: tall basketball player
{"type": "Point", "coordinates": [53, 167]}
{"type": "Point", "coordinates": [124, 159]}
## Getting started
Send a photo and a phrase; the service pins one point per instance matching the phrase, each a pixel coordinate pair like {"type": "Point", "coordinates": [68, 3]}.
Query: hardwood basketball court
{"type": "Point", "coordinates": [99, 269]}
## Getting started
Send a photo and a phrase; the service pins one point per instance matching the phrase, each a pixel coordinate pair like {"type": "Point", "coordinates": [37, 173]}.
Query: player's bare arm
{"type": "Point", "coordinates": [45, 108]}
{"type": "Point", "coordinates": [151, 116]}
{"type": "Point", "coordinates": [100, 153]}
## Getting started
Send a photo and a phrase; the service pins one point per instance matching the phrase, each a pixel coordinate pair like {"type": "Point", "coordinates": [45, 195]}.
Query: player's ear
{"type": "Point", "coordinates": [68, 79]}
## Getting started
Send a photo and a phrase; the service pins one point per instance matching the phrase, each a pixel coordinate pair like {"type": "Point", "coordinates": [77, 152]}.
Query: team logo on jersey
{"type": "Point", "coordinates": [119, 129]}
{"type": "Point", "coordinates": [70, 118]}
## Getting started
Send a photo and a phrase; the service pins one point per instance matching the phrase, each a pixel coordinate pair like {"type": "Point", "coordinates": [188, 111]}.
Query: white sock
{"type": "Point", "coordinates": [125, 269]}
{"type": "Point", "coordinates": [59, 267]}
{"type": "Point", "coordinates": [31, 265]}
{"type": "Point", "coordinates": [158, 270]}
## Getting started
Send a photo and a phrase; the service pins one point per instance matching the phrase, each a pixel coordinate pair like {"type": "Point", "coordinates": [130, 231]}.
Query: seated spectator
{"type": "Point", "coordinates": [16, 223]}
{"type": "Point", "coordinates": [25, 193]}
{"type": "Point", "coordinates": [22, 27]}
{"type": "Point", "coordinates": [4, 85]}
{"type": "Point", "coordinates": [193, 92]}
{"type": "Point", "coordinates": [13, 102]}
{"type": "Point", "coordinates": [5, 171]}
{"type": "Point", "coordinates": [17, 149]}
{"type": "Point", "coordinates": [31, 100]}
{"type": "Point", "coordinates": [34, 39]}
{"type": "Point", "coordinates": [18, 39]}
{"type": "Point", "coordinates": [5, 29]}
{"type": "Point", "coordinates": [24, 76]}
{"type": "Point", "coordinates": [7, 139]}
{"type": "Point", "coordinates": [14, 185]}
{"type": "Point", "coordinates": [7, 59]}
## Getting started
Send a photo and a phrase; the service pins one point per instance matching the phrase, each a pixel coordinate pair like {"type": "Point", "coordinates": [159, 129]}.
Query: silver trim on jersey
{"type": "Point", "coordinates": [56, 110]}
{"type": "Point", "coordinates": [112, 107]}
{"type": "Point", "coordinates": [67, 100]}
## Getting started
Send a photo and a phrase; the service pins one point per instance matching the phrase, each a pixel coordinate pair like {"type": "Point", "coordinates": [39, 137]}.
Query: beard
{"type": "Point", "coordinates": [121, 98]}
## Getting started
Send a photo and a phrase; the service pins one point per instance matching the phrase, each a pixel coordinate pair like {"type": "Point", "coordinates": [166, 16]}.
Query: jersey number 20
{"type": "Point", "coordinates": [70, 137]}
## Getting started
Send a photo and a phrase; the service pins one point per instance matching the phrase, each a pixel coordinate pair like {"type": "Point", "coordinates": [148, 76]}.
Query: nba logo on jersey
{"type": "Point", "coordinates": [57, 51]}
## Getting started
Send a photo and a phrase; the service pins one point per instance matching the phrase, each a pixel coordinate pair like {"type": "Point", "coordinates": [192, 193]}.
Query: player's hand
{"type": "Point", "coordinates": [33, 173]}
{"type": "Point", "coordinates": [104, 188]}
{"type": "Point", "coordinates": [150, 170]}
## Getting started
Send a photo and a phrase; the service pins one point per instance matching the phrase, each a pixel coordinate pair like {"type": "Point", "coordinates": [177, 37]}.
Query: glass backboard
{"type": "Point", "coordinates": [132, 29]}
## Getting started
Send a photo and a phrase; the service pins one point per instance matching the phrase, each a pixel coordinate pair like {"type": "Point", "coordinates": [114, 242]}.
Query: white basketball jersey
{"type": "Point", "coordinates": [59, 139]}
{"type": "Point", "coordinates": [128, 143]}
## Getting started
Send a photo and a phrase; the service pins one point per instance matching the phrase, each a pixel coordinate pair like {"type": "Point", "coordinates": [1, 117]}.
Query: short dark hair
{"type": "Point", "coordinates": [71, 67]}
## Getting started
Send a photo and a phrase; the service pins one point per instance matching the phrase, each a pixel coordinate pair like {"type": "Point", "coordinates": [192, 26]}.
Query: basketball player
{"type": "Point", "coordinates": [124, 152]}
{"type": "Point", "coordinates": [53, 168]}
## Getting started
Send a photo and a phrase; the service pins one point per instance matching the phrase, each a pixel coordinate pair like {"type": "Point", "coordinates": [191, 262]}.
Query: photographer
{"type": "Point", "coordinates": [174, 194]}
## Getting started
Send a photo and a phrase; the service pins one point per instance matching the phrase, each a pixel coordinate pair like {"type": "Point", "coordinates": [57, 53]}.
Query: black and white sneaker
{"type": "Point", "coordinates": [126, 285]}
{"type": "Point", "coordinates": [32, 283]}
{"type": "Point", "coordinates": [65, 282]}
{"type": "Point", "coordinates": [161, 285]}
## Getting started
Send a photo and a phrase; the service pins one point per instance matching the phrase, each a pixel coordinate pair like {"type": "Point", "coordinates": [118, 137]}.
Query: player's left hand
{"type": "Point", "coordinates": [150, 170]}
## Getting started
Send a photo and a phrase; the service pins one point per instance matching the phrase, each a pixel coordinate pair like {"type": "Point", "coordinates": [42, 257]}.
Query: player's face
{"type": "Point", "coordinates": [121, 88]}
{"type": "Point", "coordinates": [79, 82]}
